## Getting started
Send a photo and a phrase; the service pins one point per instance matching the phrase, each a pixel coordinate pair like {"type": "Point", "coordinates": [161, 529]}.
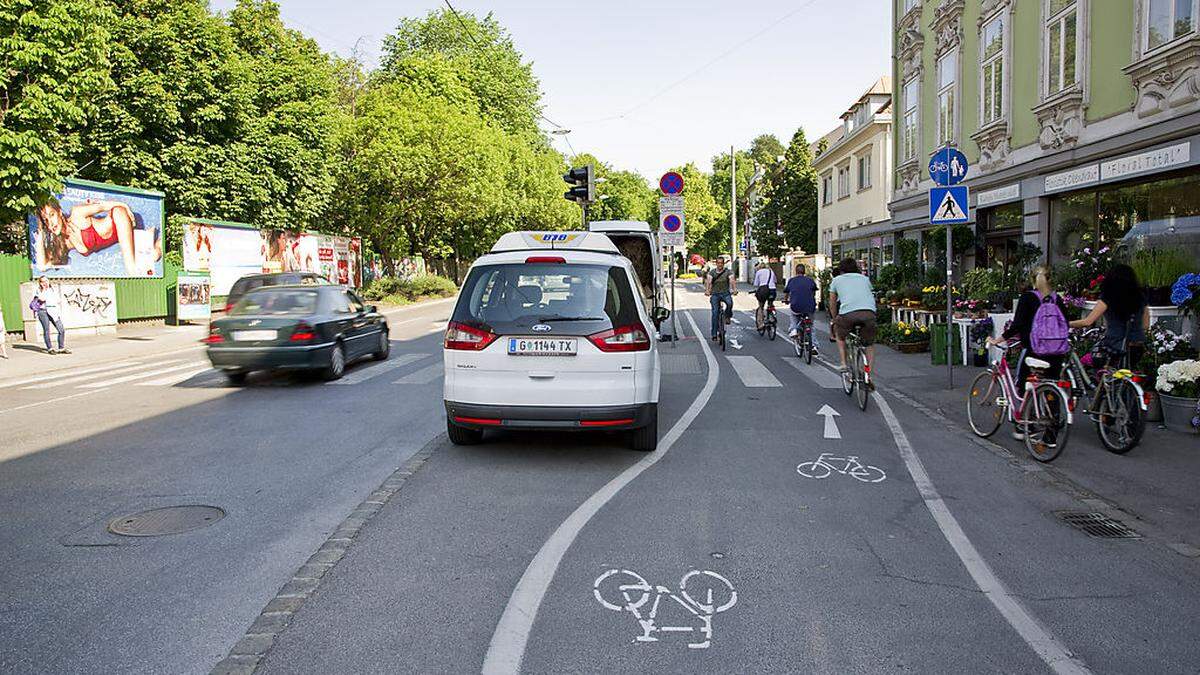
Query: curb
{"type": "Point", "coordinates": [254, 645]}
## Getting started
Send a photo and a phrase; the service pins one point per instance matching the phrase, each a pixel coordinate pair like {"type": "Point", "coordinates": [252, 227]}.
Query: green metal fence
{"type": "Point", "coordinates": [14, 270]}
{"type": "Point", "coordinates": [136, 298]}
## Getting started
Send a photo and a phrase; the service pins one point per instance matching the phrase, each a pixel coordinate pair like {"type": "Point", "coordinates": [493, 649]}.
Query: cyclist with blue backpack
{"type": "Point", "coordinates": [1040, 322]}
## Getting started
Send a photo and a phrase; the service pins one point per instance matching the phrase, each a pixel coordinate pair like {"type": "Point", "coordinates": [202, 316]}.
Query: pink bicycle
{"type": "Point", "coordinates": [1040, 411]}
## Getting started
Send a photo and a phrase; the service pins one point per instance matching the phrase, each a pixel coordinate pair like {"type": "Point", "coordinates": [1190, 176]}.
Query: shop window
{"type": "Point", "coordinates": [999, 236]}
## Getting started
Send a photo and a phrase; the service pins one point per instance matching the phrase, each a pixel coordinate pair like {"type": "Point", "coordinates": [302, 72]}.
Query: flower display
{"type": "Point", "coordinates": [1185, 293]}
{"type": "Point", "coordinates": [1180, 378]}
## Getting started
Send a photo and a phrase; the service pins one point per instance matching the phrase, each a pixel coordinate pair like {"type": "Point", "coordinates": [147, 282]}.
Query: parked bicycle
{"type": "Point", "coordinates": [768, 322]}
{"type": "Point", "coordinates": [856, 379]}
{"type": "Point", "coordinates": [1040, 411]}
{"type": "Point", "coordinates": [802, 341]}
{"type": "Point", "coordinates": [1116, 402]}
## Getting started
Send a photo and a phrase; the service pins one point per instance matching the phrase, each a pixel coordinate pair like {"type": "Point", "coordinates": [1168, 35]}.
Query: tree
{"type": "Point", "coordinates": [789, 202]}
{"type": "Point", "coordinates": [766, 149]}
{"type": "Point", "coordinates": [719, 185]}
{"type": "Point", "coordinates": [53, 66]}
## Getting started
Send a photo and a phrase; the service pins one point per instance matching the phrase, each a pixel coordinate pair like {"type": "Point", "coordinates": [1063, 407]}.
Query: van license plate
{"type": "Point", "coordinates": [253, 335]}
{"type": "Point", "coordinates": [542, 346]}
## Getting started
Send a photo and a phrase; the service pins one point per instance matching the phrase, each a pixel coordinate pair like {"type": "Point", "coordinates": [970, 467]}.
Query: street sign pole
{"type": "Point", "coordinates": [948, 205]}
{"type": "Point", "coordinates": [950, 307]}
{"type": "Point", "coordinates": [674, 322]}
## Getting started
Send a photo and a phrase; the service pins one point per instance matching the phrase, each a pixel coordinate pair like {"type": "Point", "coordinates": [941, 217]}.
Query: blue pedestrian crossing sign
{"type": "Point", "coordinates": [948, 166]}
{"type": "Point", "coordinates": [948, 205]}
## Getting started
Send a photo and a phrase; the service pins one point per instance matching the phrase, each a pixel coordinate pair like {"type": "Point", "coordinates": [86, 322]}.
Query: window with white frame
{"type": "Point", "coordinates": [843, 181]}
{"type": "Point", "coordinates": [864, 171]}
{"type": "Point", "coordinates": [827, 188]}
{"type": "Point", "coordinates": [1168, 20]}
{"type": "Point", "coordinates": [991, 73]}
{"type": "Point", "coordinates": [947, 76]}
{"type": "Point", "coordinates": [909, 4]}
{"type": "Point", "coordinates": [911, 99]}
{"type": "Point", "coordinates": [1062, 45]}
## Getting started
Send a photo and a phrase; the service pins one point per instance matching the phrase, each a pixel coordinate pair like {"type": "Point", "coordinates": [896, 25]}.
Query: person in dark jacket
{"type": "Point", "coordinates": [1126, 314]}
{"type": "Point", "coordinates": [1022, 322]}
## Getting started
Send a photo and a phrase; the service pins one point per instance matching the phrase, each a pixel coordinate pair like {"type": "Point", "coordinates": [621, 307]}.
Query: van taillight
{"type": "Point", "coordinates": [468, 338]}
{"type": "Point", "coordinates": [628, 338]}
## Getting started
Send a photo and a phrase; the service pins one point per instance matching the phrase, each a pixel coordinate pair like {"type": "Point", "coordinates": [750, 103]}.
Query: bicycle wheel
{"type": "Point", "coordinates": [798, 345]}
{"type": "Point", "coordinates": [1119, 419]}
{"type": "Point", "coordinates": [708, 591]}
{"type": "Point", "coordinates": [808, 348]}
{"type": "Point", "coordinates": [619, 590]}
{"type": "Point", "coordinates": [1046, 428]}
{"type": "Point", "coordinates": [772, 327]}
{"type": "Point", "coordinates": [813, 470]}
{"type": "Point", "coordinates": [848, 381]}
{"type": "Point", "coordinates": [861, 390]}
{"type": "Point", "coordinates": [868, 474]}
{"type": "Point", "coordinates": [984, 413]}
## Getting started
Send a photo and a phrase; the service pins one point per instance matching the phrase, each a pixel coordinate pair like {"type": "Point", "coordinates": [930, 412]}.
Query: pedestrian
{"type": "Point", "coordinates": [1040, 323]}
{"type": "Point", "coordinates": [1126, 314]}
{"type": "Point", "coordinates": [47, 306]}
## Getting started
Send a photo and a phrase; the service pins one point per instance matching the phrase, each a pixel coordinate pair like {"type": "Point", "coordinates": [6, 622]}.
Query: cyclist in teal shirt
{"type": "Point", "coordinates": [852, 303]}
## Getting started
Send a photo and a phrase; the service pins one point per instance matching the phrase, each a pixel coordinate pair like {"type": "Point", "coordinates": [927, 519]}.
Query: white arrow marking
{"type": "Point", "coordinates": [831, 428]}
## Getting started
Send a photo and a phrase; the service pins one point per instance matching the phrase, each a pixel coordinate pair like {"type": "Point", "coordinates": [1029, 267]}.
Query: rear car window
{"type": "Point", "coordinates": [243, 286]}
{"type": "Point", "coordinates": [511, 296]}
{"type": "Point", "coordinates": [282, 301]}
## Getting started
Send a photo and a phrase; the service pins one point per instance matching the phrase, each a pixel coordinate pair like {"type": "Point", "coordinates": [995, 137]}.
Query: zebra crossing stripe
{"type": "Point", "coordinates": [139, 376]}
{"type": "Point", "coordinates": [176, 378]}
{"type": "Point", "coordinates": [105, 373]}
{"type": "Point", "coordinates": [752, 372]}
{"type": "Point", "coordinates": [71, 373]}
{"type": "Point", "coordinates": [423, 376]}
{"type": "Point", "coordinates": [367, 372]}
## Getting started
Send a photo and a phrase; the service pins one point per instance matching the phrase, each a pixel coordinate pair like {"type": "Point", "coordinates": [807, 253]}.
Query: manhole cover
{"type": "Point", "coordinates": [168, 520]}
{"type": "Point", "coordinates": [1097, 525]}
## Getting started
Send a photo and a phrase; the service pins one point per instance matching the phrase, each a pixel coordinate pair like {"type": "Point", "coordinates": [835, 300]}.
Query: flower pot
{"type": "Point", "coordinates": [1178, 413]}
{"type": "Point", "coordinates": [911, 347]}
{"type": "Point", "coordinates": [1154, 411]}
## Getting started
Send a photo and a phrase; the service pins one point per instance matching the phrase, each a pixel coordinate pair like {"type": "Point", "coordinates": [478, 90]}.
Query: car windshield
{"type": "Point", "coordinates": [518, 296]}
{"type": "Point", "coordinates": [276, 301]}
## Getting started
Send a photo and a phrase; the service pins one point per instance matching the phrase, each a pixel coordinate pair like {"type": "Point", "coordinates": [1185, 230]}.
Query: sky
{"type": "Point", "coordinates": [647, 85]}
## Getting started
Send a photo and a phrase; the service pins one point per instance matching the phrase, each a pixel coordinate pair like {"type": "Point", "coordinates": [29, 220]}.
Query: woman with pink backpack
{"type": "Point", "coordinates": [1040, 322]}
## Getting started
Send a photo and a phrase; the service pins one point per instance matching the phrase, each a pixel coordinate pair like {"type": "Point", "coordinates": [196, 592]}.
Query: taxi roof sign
{"type": "Point", "coordinates": [578, 241]}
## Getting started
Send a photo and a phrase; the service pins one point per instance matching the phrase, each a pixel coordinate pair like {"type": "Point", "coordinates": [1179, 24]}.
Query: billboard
{"type": "Point", "coordinates": [226, 251]}
{"type": "Point", "coordinates": [96, 230]}
{"type": "Point", "coordinates": [338, 259]}
{"type": "Point", "coordinates": [192, 299]}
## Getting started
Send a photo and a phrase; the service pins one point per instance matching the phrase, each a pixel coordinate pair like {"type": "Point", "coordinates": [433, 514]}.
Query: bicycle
{"type": "Point", "coordinates": [702, 593]}
{"type": "Point", "coordinates": [856, 379]}
{"type": "Point", "coordinates": [825, 465]}
{"type": "Point", "coordinates": [768, 325]}
{"type": "Point", "coordinates": [1040, 411]}
{"type": "Point", "coordinates": [802, 341]}
{"type": "Point", "coordinates": [1117, 401]}
{"type": "Point", "coordinates": [724, 317]}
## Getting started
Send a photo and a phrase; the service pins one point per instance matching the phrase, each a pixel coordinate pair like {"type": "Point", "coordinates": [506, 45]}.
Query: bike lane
{"type": "Point", "coordinates": [831, 574]}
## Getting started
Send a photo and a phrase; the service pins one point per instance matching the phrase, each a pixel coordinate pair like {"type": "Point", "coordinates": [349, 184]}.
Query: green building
{"type": "Point", "coordinates": [1080, 118]}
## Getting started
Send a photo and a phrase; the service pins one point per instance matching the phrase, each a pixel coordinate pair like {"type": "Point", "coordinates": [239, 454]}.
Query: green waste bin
{"type": "Point", "coordinates": [937, 344]}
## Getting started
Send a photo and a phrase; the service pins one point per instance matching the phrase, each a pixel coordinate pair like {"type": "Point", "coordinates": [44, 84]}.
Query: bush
{"type": "Point", "coordinates": [399, 291]}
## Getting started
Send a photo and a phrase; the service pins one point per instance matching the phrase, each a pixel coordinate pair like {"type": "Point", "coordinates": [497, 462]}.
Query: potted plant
{"type": "Point", "coordinates": [1179, 389]}
{"type": "Point", "coordinates": [906, 338]}
{"type": "Point", "coordinates": [1163, 345]}
{"type": "Point", "coordinates": [1185, 294]}
{"type": "Point", "coordinates": [981, 330]}
{"type": "Point", "coordinates": [1158, 269]}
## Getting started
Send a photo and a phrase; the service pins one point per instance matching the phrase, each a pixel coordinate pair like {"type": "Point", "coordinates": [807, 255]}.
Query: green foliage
{"type": "Point", "coordinates": [53, 67]}
{"type": "Point", "coordinates": [718, 184]}
{"type": "Point", "coordinates": [889, 279]}
{"type": "Point", "coordinates": [789, 201]}
{"type": "Point", "coordinates": [707, 230]}
{"type": "Point", "coordinates": [428, 286]}
{"type": "Point", "coordinates": [1161, 267]}
{"type": "Point", "coordinates": [982, 283]}
{"type": "Point", "coordinates": [627, 195]}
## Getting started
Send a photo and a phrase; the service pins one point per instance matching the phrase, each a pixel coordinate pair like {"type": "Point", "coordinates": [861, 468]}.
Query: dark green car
{"type": "Point", "coordinates": [313, 328]}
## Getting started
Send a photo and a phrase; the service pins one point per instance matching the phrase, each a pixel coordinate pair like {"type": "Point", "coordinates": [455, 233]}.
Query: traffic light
{"type": "Point", "coordinates": [582, 180]}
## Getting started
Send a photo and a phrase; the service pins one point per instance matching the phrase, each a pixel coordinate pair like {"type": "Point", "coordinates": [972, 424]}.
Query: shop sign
{"type": "Point", "coordinates": [1154, 160]}
{"type": "Point", "coordinates": [1007, 193]}
{"type": "Point", "coordinates": [1084, 175]}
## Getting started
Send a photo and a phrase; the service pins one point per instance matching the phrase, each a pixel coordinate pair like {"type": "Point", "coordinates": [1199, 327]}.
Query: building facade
{"type": "Point", "coordinates": [854, 172]}
{"type": "Point", "coordinates": [1080, 118]}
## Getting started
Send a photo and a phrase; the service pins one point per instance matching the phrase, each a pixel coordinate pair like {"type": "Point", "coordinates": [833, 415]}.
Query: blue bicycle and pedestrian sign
{"type": "Point", "coordinates": [948, 166]}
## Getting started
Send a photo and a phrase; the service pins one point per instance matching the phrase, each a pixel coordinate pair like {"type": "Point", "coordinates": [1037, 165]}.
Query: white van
{"type": "Point", "coordinates": [638, 242]}
{"type": "Point", "coordinates": [550, 332]}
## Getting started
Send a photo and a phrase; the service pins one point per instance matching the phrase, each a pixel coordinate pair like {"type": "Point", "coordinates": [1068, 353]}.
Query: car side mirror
{"type": "Point", "coordinates": [370, 309]}
{"type": "Point", "coordinates": [660, 314]}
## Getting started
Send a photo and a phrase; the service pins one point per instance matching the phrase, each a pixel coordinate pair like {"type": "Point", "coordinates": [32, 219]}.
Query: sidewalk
{"type": "Point", "coordinates": [1155, 483]}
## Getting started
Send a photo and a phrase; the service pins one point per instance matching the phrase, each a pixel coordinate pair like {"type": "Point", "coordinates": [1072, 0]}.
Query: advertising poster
{"type": "Point", "coordinates": [85, 305]}
{"type": "Point", "coordinates": [95, 230]}
{"type": "Point", "coordinates": [286, 251]}
{"type": "Point", "coordinates": [193, 299]}
{"type": "Point", "coordinates": [226, 251]}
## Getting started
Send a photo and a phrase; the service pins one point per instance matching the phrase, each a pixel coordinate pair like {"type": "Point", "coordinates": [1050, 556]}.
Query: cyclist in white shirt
{"type": "Point", "coordinates": [764, 290]}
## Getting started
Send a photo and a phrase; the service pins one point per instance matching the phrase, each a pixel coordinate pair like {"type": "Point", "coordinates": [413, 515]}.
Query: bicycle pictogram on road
{"type": "Point", "coordinates": [626, 591]}
{"type": "Point", "coordinates": [828, 464]}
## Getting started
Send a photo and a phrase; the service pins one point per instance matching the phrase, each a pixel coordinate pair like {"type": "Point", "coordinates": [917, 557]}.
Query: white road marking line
{"type": "Point", "coordinates": [70, 373]}
{"type": "Point", "coordinates": [425, 375]}
{"type": "Point", "coordinates": [1042, 641]}
{"type": "Point", "coordinates": [106, 373]}
{"type": "Point", "coordinates": [507, 647]}
{"type": "Point", "coordinates": [176, 378]}
{"type": "Point", "coordinates": [53, 400]}
{"type": "Point", "coordinates": [821, 376]}
{"type": "Point", "coordinates": [366, 372]}
{"type": "Point", "coordinates": [831, 427]}
{"type": "Point", "coordinates": [752, 372]}
{"type": "Point", "coordinates": [139, 376]}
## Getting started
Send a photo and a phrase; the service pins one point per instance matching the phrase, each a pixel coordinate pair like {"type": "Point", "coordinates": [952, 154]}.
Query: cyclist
{"type": "Point", "coordinates": [719, 286]}
{"type": "Point", "coordinates": [764, 291]}
{"type": "Point", "coordinates": [1042, 288]}
{"type": "Point", "coordinates": [1126, 314]}
{"type": "Point", "coordinates": [852, 305]}
{"type": "Point", "coordinates": [800, 294]}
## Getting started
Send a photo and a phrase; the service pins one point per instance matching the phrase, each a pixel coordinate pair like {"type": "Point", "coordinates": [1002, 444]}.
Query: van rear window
{"type": "Point", "coordinates": [517, 296]}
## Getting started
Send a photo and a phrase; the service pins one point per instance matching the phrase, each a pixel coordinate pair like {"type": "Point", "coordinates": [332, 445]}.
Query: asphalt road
{"type": "Point", "coordinates": [950, 560]}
